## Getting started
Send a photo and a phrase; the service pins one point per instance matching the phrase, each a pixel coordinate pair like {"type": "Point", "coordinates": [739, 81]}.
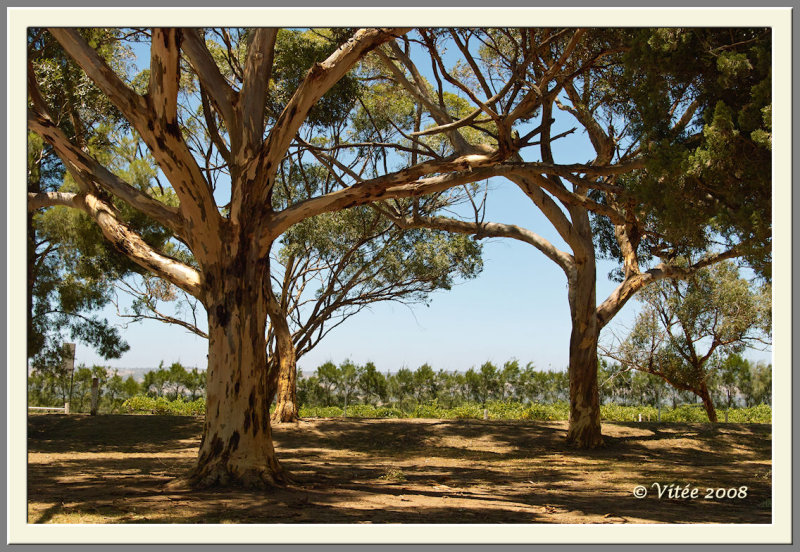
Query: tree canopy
{"type": "Point", "coordinates": [691, 332]}
{"type": "Point", "coordinates": [226, 113]}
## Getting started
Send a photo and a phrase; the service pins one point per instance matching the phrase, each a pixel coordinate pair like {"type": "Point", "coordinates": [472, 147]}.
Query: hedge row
{"type": "Point", "coordinates": [497, 410]}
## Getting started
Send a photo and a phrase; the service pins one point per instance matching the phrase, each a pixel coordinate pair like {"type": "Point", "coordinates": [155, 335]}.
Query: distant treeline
{"type": "Point", "coordinates": [54, 387]}
{"type": "Point", "coordinates": [349, 384]}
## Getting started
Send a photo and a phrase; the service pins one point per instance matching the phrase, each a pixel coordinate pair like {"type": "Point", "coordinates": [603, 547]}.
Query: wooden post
{"type": "Point", "coordinates": [66, 408]}
{"type": "Point", "coordinates": [95, 390]}
{"type": "Point", "coordinates": [485, 413]}
{"type": "Point", "coordinates": [69, 365]}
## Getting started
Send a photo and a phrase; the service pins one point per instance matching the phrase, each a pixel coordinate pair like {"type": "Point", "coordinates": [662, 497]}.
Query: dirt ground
{"type": "Point", "coordinates": [112, 469]}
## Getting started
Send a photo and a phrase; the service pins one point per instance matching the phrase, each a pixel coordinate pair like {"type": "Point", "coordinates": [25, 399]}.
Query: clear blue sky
{"type": "Point", "coordinates": [516, 308]}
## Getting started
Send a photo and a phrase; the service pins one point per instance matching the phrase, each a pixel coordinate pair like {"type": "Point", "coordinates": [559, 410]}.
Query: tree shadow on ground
{"type": "Point", "coordinates": [399, 471]}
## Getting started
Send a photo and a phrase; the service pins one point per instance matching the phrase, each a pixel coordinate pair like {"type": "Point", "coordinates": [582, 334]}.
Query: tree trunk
{"type": "Point", "coordinates": [708, 403]}
{"type": "Point", "coordinates": [284, 381]}
{"type": "Point", "coordinates": [237, 448]}
{"type": "Point", "coordinates": [286, 407]}
{"type": "Point", "coordinates": [584, 418]}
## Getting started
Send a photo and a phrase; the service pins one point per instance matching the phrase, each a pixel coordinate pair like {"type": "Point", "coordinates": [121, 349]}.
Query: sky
{"type": "Point", "coordinates": [515, 309]}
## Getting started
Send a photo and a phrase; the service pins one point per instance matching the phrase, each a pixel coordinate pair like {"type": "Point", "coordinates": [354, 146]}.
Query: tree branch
{"type": "Point", "coordinates": [123, 238]}
{"type": "Point", "coordinates": [156, 121]}
{"type": "Point", "coordinates": [612, 305]}
{"type": "Point", "coordinates": [131, 104]}
{"type": "Point", "coordinates": [487, 229]}
{"type": "Point", "coordinates": [223, 96]}
{"type": "Point", "coordinates": [320, 78]}
{"type": "Point", "coordinates": [80, 162]}
{"type": "Point", "coordinates": [404, 183]}
{"type": "Point", "coordinates": [253, 95]}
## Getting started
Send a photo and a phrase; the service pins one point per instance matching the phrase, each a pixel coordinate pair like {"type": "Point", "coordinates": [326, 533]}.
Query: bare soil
{"type": "Point", "coordinates": [112, 469]}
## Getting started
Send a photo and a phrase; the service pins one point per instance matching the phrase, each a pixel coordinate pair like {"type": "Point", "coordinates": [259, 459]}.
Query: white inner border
{"type": "Point", "coordinates": [21, 532]}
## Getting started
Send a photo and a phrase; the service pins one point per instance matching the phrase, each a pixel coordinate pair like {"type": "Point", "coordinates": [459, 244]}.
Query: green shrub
{"type": "Point", "coordinates": [546, 412]}
{"type": "Point", "coordinates": [320, 411]}
{"type": "Point", "coordinates": [761, 414]}
{"type": "Point", "coordinates": [142, 404]}
{"type": "Point", "coordinates": [559, 411]}
{"type": "Point", "coordinates": [619, 413]}
{"type": "Point", "coordinates": [465, 412]}
{"type": "Point", "coordinates": [685, 413]}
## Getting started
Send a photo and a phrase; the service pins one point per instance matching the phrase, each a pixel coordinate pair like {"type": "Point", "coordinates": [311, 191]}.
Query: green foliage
{"type": "Point", "coordinates": [295, 52]}
{"type": "Point", "coordinates": [499, 410]}
{"type": "Point", "coordinates": [530, 394]}
{"type": "Point", "coordinates": [53, 385]}
{"type": "Point", "coordinates": [71, 265]}
{"type": "Point", "coordinates": [711, 182]}
{"type": "Point", "coordinates": [142, 404]}
{"type": "Point", "coordinates": [691, 333]}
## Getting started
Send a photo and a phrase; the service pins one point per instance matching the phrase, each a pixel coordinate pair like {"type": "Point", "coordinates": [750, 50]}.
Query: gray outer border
{"type": "Point", "coordinates": [364, 3]}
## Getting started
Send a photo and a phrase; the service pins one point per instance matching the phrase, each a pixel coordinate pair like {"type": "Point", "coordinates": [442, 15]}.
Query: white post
{"type": "Point", "coordinates": [640, 416]}
{"type": "Point", "coordinates": [66, 407]}
{"type": "Point", "coordinates": [485, 413]}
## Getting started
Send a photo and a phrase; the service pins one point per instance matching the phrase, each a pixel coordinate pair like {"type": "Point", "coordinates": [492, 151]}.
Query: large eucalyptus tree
{"type": "Point", "coordinates": [230, 243]}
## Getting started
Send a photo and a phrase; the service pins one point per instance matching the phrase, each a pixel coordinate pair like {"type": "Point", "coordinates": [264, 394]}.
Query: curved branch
{"type": "Point", "coordinates": [491, 230]}
{"type": "Point", "coordinates": [403, 183]}
{"type": "Point", "coordinates": [319, 79]}
{"type": "Point", "coordinates": [612, 305]}
{"type": "Point", "coordinates": [155, 120]}
{"type": "Point", "coordinates": [131, 104]}
{"type": "Point", "coordinates": [124, 239]}
{"type": "Point", "coordinates": [80, 162]}
{"type": "Point", "coordinates": [565, 196]}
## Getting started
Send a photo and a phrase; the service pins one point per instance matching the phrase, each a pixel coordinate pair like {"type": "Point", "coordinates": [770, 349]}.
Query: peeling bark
{"type": "Point", "coordinates": [286, 408]}
{"type": "Point", "coordinates": [584, 398]}
{"type": "Point", "coordinates": [237, 448]}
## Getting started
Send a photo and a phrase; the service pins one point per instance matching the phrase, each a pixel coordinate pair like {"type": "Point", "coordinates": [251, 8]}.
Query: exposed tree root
{"type": "Point", "coordinates": [285, 413]}
{"type": "Point", "coordinates": [585, 438]}
{"type": "Point", "coordinates": [217, 475]}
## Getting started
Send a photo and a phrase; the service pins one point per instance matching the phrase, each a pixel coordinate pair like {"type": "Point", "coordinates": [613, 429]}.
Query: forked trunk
{"type": "Point", "coordinates": [584, 398]}
{"type": "Point", "coordinates": [237, 448]}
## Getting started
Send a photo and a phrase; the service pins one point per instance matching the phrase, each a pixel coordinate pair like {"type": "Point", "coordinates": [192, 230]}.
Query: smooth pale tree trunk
{"type": "Point", "coordinates": [286, 407]}
{"type": "Point", "coordinates": [584, 397]}
{"type": "Point", "coordinates": [284, 383]}
{"type": "Point", "coordinates": [237, 448]}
